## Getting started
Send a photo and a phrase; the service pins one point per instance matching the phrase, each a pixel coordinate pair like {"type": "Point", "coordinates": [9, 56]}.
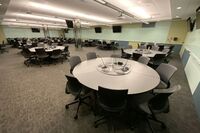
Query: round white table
{"type": "Point", "coordinates": [144, 52]}
{"type": "Point", "coordinates": [140, 79]}
{"type": "Point", "coordinates": [49, 49]}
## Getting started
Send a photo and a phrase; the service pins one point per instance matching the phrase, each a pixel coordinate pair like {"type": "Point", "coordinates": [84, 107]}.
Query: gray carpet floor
{"type": "Point", "coordinates": [32, 100]}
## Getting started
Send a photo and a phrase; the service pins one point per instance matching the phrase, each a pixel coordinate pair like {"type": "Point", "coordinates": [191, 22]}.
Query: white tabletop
{"type": "Point", "coordinates": [144, 52]}
{"type": "Point", "coordinates": [140, 79]}
{"type": "Point", "coordinates": [48, 49]}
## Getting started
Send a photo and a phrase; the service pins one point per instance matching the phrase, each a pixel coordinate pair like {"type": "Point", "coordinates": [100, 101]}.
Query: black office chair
{"type": "Point", "coordinates": [76, 89]}
{"type": "Point", "coordinates": [125, 55]}
{"type": "Point", "coordinates": [157, 60]}
{"type": "Point", "coordinates": [29, 56]}
{"type": "Point", "coordinates": [112, 102]}
{"type": "Point", "coordinates": [159, 103]}
{"type": "Point", "coordinates": [73, 61]}
{"type": "Point", "coordinates": [41, 55]}
{"type": "Point", "coordinates": [136, 56]}
{"type": "Point", "coordinates": [56, 55]}
{"type": "Point", "coordinates": [66, 52]}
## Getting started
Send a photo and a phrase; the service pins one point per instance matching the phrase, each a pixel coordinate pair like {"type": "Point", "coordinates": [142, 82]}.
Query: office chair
{"type": "Point", "coordinates": [144, 60]}
{"type": "Point", "coordinates": [157, 60]}
{"type": "Point", "coordinates": [41, 55]}
{"type": "Point", "coordinates": [73, 61]}
{"type": "Point", "coordinates": [165, 71]}
{"type": "Point", "coordinates": [136, 56]}
{"type": "Point", "coordinates": [166, 50]}
{"type": "Point", "coordinates": [28, 55]}
{"type": "Point", "coordinates": [125, 55]}
{"type": "Point", "coordinates": [91, 55]}
{"type": "Point", "coordinates": [66, 52]}
{"type": "Point", "coordinates": [56, 54]}
{"type": "Point", "coordinates": [156, 48]}
{"type": "Point", "coordinates": [76, 89]}
{"type": "Point", "coordinates": [113, 102]}
{"type": "Point", "coordinates": [142, 46]}
{"type": "Point", "coordinates": [159, 103]}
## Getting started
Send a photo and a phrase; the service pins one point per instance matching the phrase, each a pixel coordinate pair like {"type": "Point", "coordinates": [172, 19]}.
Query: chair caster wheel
{"type": "Point", "coordinates": [66, 106]}
{"type": "Point", "coordinates": [76, 117]}
{"type": "Point", "coordinates": [163, 126]}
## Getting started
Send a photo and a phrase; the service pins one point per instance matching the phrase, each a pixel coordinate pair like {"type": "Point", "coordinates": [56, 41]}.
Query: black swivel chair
{"type": "Point", "coordinates": [29, 56]}
{"type": "Point", "coordinates": [113, 102]}
{"type": "Point", "coordinates": [157, 60]}
{"type": "Point", "coordinates": [136, 56]}
{"type": "Point", "coordinates": [56, 54]}
{"type": "Point", "coordinates": [125, 55]}
{"type": "Point", "coordinates": [41, 55]}
{"type": "Point", "coordinates": [76, 89]}
{"type": "Point", "coordinates": [159, 103]}
{"type": "Point", "coordinates": [66, 52]}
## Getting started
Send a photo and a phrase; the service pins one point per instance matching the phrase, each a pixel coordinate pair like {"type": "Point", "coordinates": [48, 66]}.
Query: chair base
{"type": "Point", "coordinates": [162, 124]}
{"type": "Point", "coordinates": [80, 101]}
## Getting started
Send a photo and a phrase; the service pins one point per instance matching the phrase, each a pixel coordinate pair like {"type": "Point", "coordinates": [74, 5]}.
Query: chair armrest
{"type": "Point", "coordinates": [169, 90]}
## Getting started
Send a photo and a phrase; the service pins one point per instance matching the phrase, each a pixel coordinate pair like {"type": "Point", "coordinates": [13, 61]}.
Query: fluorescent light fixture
{"type": "Point", "coordinates": [31, 25]}
{"type": "Point", "coordinates": [135, 9]}
{"type": "Point", "coordinates": [140, 12]}
{"type": "Point", "coordinates": [67, 12]}
{"type": "Point", "coordinates": [38, 17]}
{"type": "Point", "coordinates": [177, 16]}
{"type": "Point", "coordinates": [101, 1]}
{"type": "Point", "coordinates": [179, 8]}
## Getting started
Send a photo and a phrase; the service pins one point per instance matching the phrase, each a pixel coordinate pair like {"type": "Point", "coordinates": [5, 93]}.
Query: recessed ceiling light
{"type": "Point", "coordinates": [179, 8]}
{"type": "Point", "coordinates": [177, 16]}
{"type": "Point", "coordinates": [0, 4]}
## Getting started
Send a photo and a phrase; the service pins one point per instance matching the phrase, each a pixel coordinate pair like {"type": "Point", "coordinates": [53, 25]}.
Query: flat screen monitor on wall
{"type": "Point", "coordinates": [117, 29]}
{"type": "Point", "coordinates": [150, 25]}
{"type": "Point", "coordinates": [191, 23]}
{"type": "Point", "coordinates": [69, 23]}
{"type": "Point", "coordinates": [198, 19]}
{"type": "Point", "coordinates": [97, 29]}
{"type": "Point", "coordinates": [35, 29]}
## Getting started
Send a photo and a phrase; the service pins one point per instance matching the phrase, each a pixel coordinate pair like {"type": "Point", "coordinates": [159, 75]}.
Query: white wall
{"type": "Point", "coordinates": [53, 33]}
{"type": "Point", "coordinates": [12, 32]}
{"type": "Point", "coordinates": [130, 32]}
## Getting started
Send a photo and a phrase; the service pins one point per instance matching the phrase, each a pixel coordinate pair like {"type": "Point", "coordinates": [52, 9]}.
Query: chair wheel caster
{"type": "Point", "coordinates": [66, 106]}
{"type": "Point", "coordinates": [76, 117]}
{"type": "Point", "coordinates": [163, 126]}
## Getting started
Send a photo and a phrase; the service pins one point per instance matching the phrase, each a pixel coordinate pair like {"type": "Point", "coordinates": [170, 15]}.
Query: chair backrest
{"type": "Point", "coordinates": [142, 47]}
{"type": "Point", "coordinates": [91, 55]}
{"type": "Point", "coordinates": [40, 51]}
{"type": "Point", "coordinates": [160, 100]}
{"type": "Point", "coordinates": [166, 71]}
{"type": "Point", "coordinates": [112, 98]}
{"type": "Point", "coordinates": [166, 50]}
{"type": "Point", "coordinates": [159, 57]}
{"type": "Point", "coordinates": [73, 84]}
{"type": "Point", "coordinates": [66, 49]}
{"type": "Point", "coordinates": [73, 61]}
{"type": "Point", "coordinates": [156, 48]}
{"type": "Point", "coordinates": [144, 60]}
{"type": "Point", "coordinates": [136, 56]}
{"type": "Point", "coordinates": [56, 52]}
